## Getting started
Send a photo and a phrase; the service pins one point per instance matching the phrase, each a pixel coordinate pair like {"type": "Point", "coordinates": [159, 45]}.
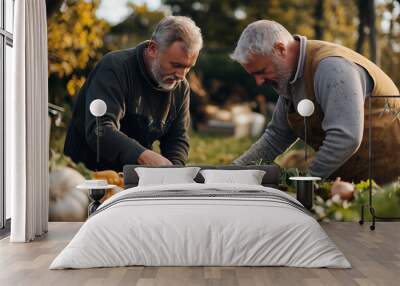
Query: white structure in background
{"type": "Point", "coordinates": [247, 123]}
{"type": "Point", "coordinates": [239, 122]}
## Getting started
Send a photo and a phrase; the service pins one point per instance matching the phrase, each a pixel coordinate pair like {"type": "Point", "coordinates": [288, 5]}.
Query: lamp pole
{"type": "Point", "coordinates": [97, 141]}
{"type": "Point", "coordinates": [305, 108]}
{"type": "Point", "coordinates": [305, 139]}
{"type": "Point", "coordinates": [98, 108]}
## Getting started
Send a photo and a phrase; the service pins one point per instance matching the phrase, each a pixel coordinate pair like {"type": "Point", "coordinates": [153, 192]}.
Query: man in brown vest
{"type": "Point", "coordinates": [339, 81]}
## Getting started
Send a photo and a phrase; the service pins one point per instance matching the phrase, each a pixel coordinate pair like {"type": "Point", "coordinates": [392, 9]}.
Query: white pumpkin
{"type": "Point", "coordinates": [66, 202]}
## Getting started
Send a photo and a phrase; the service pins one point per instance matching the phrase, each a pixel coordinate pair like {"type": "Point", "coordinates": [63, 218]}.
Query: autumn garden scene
{"type": "Point", "coordinates": [229, 112]}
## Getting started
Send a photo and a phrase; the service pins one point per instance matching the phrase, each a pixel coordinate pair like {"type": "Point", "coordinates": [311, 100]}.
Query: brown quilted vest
{"type": "Point", "coordinates": [385, 129]}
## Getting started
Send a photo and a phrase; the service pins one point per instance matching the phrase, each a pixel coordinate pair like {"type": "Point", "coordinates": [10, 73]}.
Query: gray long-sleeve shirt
{"type": "Point", "coordinates": [340, 89]}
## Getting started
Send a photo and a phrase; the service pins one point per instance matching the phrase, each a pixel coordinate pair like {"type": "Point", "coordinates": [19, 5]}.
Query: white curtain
{"type": "Point", "coordinates": [27, 143]}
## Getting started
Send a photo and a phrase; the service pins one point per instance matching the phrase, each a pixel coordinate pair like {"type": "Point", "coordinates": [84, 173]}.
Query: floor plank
{"type": "Point", "coordinates": [375, 257]}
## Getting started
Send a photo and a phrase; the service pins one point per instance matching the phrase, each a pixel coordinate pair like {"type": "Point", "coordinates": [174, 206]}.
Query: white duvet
{"type": "Point", "coordinates": [206, 230]}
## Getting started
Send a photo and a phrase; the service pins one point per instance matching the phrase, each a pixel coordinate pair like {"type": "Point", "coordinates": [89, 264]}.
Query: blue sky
{"type": "Point", "coordinates": [114, 11]}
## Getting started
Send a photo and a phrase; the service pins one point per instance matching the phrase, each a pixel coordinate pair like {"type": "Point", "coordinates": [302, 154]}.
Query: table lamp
{"type": "Point", "coordinates": [305, 184]}
{"type": "Point", "coordinates": [97, 188]}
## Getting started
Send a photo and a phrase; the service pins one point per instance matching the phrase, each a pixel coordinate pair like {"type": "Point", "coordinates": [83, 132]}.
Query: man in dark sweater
{"type": "Point", "coordinates": [147, 98]}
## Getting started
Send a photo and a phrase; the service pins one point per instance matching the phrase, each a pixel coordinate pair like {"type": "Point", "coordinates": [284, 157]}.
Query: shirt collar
{"type": "Point", "coordinates": [301, 60]}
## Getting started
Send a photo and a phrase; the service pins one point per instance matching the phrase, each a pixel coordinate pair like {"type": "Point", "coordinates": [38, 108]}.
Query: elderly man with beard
{"type": "Point", "coordinates": [147, 99]}
{"type": "Point", "coordinates": [338, 81]}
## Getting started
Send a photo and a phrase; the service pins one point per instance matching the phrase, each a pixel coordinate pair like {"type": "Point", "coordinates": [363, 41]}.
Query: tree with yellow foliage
{"type": "Point", "coordinates": [75, 37]}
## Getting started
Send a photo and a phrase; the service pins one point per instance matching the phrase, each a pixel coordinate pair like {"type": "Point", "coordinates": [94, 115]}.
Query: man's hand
{"type": "Point", "coordinates": [151, 158]}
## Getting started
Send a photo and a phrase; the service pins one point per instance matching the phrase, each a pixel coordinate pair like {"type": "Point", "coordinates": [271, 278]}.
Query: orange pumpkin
{"type": "Point", "coordinates": [112, 178]}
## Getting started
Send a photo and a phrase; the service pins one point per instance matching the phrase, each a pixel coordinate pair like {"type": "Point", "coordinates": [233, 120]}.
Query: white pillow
{"type": "Point", "coordinates": [165, 176]}
{"type": "Point", "coordinates": [248, 177]}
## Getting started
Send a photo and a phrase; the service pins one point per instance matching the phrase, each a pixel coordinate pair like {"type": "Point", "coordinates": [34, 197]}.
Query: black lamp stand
{"type": "Point", "coordinates": [95, 195]}
{"type": "Point", "coordinates": [305, 139]}
{"type": "Point", "coordinates": [305, 188]}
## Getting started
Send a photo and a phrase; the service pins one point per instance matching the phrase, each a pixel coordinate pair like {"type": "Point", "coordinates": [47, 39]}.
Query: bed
{"type": "Point", "coordinates": [201, 224]}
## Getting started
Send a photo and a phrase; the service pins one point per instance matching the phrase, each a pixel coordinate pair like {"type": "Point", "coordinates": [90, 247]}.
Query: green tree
{"type": "Point", "coordinates": [223, 21]}
{"type": "Point", "coordinates": [366, 11]}
{"type": "Point", "coordinates": [137, 27]}
{"type": "Point", "coordinates": [220, 21]}
{"type": "Point", "coordinates": [339, 22]}
{"type": "Point", "coordinates": [388, 38]}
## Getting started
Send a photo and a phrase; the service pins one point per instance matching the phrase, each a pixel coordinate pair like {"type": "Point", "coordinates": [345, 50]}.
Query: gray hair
{"type": "Point", "coordinates": [178, 28]}
{"type": "Point", "coordinates": [259, 38]}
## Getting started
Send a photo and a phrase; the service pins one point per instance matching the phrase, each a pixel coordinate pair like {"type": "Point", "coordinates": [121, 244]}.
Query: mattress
{"type": "Point", "coordinates": [201, 225]}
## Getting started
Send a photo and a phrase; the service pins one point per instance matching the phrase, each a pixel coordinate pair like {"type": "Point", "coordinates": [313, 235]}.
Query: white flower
{"type": "Point", "coordinates": [319, 200]}
{"type": "Point", "coordinates": [336, 199]}
{"type": "Point", "coordinates": [329, 203]}
{"type": "Point", "coordinates": [319, 211]}
{"type": "Point", "coordinates": [346, 204]}
{"type": "Point", "coordinates": [338, 215]}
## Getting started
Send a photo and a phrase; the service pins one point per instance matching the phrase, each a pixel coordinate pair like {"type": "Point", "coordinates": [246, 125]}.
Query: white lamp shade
{"type": "Point", "coordinates": [98, 107]}
{"type": "Point", "coordinates": [305, 107]}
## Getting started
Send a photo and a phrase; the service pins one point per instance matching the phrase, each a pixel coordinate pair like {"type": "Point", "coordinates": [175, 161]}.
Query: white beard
{"type": "Point", "coordinates": [156, 72]}
{"type": "Point", "coordinates": [284, 74]}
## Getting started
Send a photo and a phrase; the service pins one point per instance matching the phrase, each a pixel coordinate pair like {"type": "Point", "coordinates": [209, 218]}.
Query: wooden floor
{"type": "Point", "coordinates": [375, 256]}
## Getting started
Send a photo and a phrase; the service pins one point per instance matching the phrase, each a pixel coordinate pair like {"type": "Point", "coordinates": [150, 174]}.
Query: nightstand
{"type": "Point", "coordinates": [97, 190]}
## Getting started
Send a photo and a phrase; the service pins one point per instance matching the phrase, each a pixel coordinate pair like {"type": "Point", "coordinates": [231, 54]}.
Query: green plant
{"type": "Point", "coordinates": [324, 189]}
{"type": "Point", "coordinates": [58, 160]}
{"type": "Point", "coordinates": [291, 172]}
{"type": "Point", "coordinates": [386, 201]}
{"type": "Point", "coordinates": [334, 209]}
{"type": "Point", "coordinates": [208, 149]}
{"type": "Point", "coordinates": [363, 186]}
